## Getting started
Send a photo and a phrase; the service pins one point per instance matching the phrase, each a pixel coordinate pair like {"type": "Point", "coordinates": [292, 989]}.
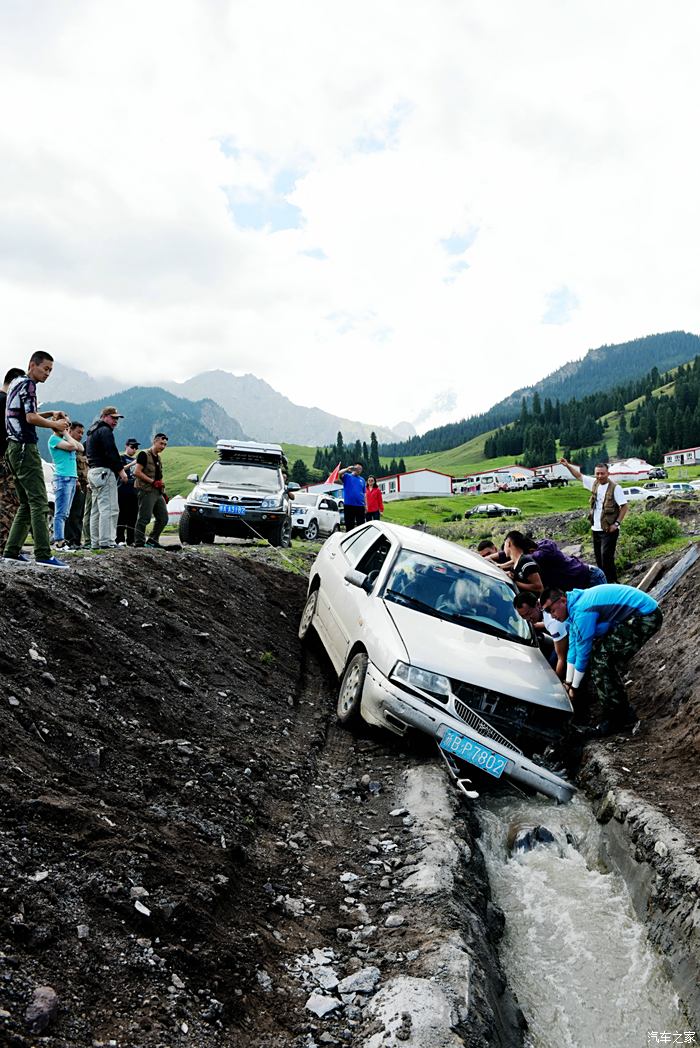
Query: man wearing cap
{"type": "Point", "coordinates": [128, 499]}
{"type": "Point", "coordinates": [105, 467]}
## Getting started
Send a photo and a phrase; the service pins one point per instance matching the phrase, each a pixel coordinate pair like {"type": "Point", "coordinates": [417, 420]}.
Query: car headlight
{"type": "Point", "coordinates": [271, 504]}
{"type": "Point", "coordinates": [199, 495]}
{"type": "Point", "coordinates": [435, 683]}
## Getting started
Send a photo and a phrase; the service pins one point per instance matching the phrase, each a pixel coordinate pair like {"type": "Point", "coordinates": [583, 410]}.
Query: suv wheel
{"type": "Point", "coordinates": [188, 529]}
{"type": "Point", "coordinates": [312, 531]}
{"type": "Point", "coordinates": [350, 694]}
{"type": "Point", "coordinates": [281, 534]}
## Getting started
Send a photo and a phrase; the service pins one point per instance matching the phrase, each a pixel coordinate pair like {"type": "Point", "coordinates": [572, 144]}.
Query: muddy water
{"type": "Point", "coordinates": [575, 954]}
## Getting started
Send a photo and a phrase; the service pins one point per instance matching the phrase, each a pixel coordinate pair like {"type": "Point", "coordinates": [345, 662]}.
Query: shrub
{"type": "Point", "coordinates": [643, 531]}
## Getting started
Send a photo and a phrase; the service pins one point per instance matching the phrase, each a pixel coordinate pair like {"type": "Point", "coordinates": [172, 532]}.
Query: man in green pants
{"type": "Point", "coordinates": [24, 461]}
{"type": "Point", "coordinates": [150, 492]}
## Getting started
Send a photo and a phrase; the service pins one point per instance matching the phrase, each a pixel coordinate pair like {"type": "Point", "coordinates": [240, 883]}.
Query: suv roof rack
{"type": "Point", "coordinates": [250, 451]}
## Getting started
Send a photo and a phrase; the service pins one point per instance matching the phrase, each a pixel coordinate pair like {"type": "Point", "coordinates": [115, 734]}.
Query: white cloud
{"type": "Point", "coordinates": [425, 193]}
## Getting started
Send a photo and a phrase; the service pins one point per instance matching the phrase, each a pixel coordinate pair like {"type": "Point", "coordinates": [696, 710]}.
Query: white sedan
{"type": "Point", "coordinates": [423, 634]}
{"type": "Point", "coordinates": [314, 515]}
{"type": "Point", "coordinates": [642, 494]}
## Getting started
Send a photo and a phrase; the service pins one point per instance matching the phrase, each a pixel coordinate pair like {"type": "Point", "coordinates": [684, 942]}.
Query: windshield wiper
{"type": "Point", "coordinates": [414, 602]}
{"type": "Point", "coordinates": [484, 627]}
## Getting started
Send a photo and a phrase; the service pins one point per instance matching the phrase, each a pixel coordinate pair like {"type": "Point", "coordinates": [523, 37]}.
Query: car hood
{"type": "Point", "coordinates": [477, 658]}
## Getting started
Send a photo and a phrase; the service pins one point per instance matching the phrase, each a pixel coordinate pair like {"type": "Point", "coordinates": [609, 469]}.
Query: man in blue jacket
{"type": "Point", "coordinates": [607, 626]}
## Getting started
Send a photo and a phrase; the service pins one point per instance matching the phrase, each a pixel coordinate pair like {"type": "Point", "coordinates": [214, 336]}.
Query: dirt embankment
{"type": "Point", "coordinates": [183, 825]}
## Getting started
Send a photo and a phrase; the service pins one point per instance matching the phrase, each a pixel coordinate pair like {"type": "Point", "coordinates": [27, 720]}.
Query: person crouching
{"type": "Point", "coordinates": [150, 493]}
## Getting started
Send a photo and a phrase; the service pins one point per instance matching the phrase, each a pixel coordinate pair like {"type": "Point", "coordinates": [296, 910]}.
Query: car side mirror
{"type": "Point", "coordinates": [356, 578]}
{"type": "Point", "coordinates": [292, 486]}
{"type": "Point", "coordinates": [193, 477]}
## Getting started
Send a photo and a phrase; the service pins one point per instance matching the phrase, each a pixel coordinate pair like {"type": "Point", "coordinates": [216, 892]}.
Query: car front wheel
{"type": "Point", "coordinates": [350, 694]}
{"type": "Point", "coordinates": [307, 616]}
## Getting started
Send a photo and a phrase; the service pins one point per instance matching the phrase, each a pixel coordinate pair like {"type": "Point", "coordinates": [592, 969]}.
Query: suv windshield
{"type": "Point", "coordinates": [304, 500]}
{"type": "Point", "coordinates": [449, 591]}
{"type": "Point", "coordinates": [238, 475]}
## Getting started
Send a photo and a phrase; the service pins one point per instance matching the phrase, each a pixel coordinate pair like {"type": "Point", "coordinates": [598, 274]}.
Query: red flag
{"type": "Point", "coordinates": [333, 478]}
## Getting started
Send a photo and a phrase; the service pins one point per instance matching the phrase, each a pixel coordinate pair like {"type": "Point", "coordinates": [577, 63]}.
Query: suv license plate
{"type": "Point", "coordinates": [237, 511]}
{"type": "Point", "coordinates": [473, 752]}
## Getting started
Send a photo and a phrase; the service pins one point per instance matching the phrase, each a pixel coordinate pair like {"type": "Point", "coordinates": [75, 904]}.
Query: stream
{"type": "Point", "coordinates": [574, 952]}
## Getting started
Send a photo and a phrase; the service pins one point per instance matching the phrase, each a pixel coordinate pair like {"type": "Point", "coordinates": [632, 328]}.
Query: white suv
{"type": "Point", "coordinates": [314, 515]}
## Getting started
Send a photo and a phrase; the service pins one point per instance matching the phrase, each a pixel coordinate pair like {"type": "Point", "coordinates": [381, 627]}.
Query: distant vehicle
{"type": "Point", "coordinates": [314, 515]}
{"type": "Point", "coordinates": [423, 635]}
{"type": "Point", "coordinates": [539, 482]}
{"type": "Point", "coordinates": [657, 473]}
{"type": "Point", "coordinates": [492, 509]}
{"type": "Point", "coordinates": [49, 473]}
{"type": "Point", "coordinates": [655, 485]}
{"type": "Point", "coordinates": [640, 494]}
{"type": "Point", "coordinates": [695, 485]}
{"type": "Point", "coordinates": [243, 494]}
{"type": "Point", "coordinates": [681, 487]}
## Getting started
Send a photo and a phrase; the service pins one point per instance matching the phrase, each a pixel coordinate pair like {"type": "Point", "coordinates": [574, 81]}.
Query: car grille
{"type": "Point", "coordinates": [482, 726]}
{"type": "Point", "coordinates": [530, 724]}
{"type": "Point", "coordinates": [219, 500]}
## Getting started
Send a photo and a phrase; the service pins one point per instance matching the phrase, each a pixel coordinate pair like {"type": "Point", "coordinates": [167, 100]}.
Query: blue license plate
{"type": "Point", "coordinates": [236, 511]}
{"type": "Point", "coordinates": [473, 752]}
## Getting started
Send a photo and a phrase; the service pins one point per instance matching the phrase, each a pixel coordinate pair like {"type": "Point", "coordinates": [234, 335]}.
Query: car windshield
{"type": "Point", "coordinates": [457, 594]}
{"type": "Point", "coordinates": [304, 500]}
{"type": "Point", "coordinates": [238, 475]}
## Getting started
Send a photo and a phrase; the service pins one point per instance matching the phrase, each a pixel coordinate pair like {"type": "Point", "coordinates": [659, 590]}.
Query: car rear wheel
{"type": "Point", "coordinates": [312, 531]}
{"type": "Point", "coordinates": [281, 534]}
{"type": "Point", "coordinates": [350, 694]}
{"type": "Point", "coordinates": [306, 623]}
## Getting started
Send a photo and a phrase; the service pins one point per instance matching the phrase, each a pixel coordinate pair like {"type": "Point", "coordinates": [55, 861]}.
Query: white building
{"type": "Point", "coordinates": [684, 457]}
{"type": "Point", "coordinates": [632, 469]}
{"type": "Point", "coordinates": [553, 471]}
{"type": "Point", "coordinates": [415, 483]}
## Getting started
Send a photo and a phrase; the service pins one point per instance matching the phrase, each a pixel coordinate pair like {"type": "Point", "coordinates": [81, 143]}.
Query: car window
{"type": "Point", "coordinates": [357, 543]}
{"type": "Point", "coordinates": [375, 556]}
{"type": "Point", "coordinates": [459, 594]}
{"type": "Point", "coordinates": [331, 504]}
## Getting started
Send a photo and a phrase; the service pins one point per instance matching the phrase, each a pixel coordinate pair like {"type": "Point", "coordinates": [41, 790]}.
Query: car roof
{"type": "Point", "coordinates": [432, 546]}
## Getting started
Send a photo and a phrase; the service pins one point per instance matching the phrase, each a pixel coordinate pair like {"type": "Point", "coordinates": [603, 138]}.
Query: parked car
{"type": "Point", "coordinates": [243, 494]}
{"type": "Point", "coordinates": [49, 471]}
{"type": "Point", "coordinates": [423, 635]}
{"type": "Point", "coordinates": [640, 494]}
{"type": "Point", "coordinates": [657, 473]}
{"type": "Point", "coordinates": [695, 485]}
{"type": "Point", "coordinates": [655, 485]}
{"type": "Point", "coordinates": [680, 487]}
{"type": "Point", "coordinates": [314, 515]}
{"type": "Point", "coordinates": [492, 509]}
{"type": "Point", "coordinates": [539, 482]}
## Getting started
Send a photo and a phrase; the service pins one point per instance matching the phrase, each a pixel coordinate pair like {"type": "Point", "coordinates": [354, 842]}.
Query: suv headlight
{"type": "Point", "coordinates": [199, 495]}
{"type": "Point", "coordinates": [274, 503]}
{"type": "Point", "coordinates": [435, 683]}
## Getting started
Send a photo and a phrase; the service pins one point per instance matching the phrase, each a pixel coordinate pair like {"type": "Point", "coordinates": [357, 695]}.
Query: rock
{"type": "Point", "coordinates": [184, 685]}
{"type": "Point", "coordinates": [138, 892]}
{"type": "Point", "coordinates": [39, 876]}
{"type": "Point", "coordinates": [325, 977]}
{"type": "Point", "coordinates": [177, 982]}
{"type": "Point", "coordinates": [348, 878]}
{"type": "Point", "coordinates": [321, 1005]}
{"type": "Point", "coordinates": [293, 907]}
{"type": "Point", "coordinates": [35, 656]}
{"type": "Point", "coordinates": [661, 849]}
{"type": "Point", "coordinates": [142, 909]}
{"type": "Point", "coordinates": [48, 677]}
{"type": "Point", "coordinates": [42, 1010]}
{"type": "Point", "coordinates": [353, 1013]}
{"type": "Point", "coordinates": [394, 920]}
{"type": "Point", "coordinates": [264, 981]}
{"type": "Point", "coordinates": [104, 681]}
{"type": "Point", "coordinates": [13, 700]}
{"type": "Point", "coordinates": [398, 812]}
{"type": "Point", "coordinates": [83, 931]}
{"type": "Point", "coordinates": [363, 981]}
{"type": "Point", "coordinates": [343, 935]}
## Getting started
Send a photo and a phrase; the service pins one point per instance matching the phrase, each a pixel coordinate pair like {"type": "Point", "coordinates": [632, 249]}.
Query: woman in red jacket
{"type": "Point", "coordinates": [375, 502]}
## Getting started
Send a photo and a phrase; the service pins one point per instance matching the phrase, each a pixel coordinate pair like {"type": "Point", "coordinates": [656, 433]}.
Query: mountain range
{"type": "Point", "coordinates": [256, 407]}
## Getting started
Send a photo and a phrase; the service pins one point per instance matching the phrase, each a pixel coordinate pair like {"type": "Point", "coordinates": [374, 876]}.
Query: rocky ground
{"type": "Point", "coordinates": [192, 852]}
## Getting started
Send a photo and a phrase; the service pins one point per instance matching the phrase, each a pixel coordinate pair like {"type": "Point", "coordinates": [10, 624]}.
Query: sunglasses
{"type": "Point", "coordinates": [548, 607]}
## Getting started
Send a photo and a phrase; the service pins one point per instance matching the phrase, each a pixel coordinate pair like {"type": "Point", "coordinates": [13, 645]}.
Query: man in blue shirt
{"type": "Point", "coordinates": [607, 626]}
{"type": "Point", "coordinates": [353, 495]}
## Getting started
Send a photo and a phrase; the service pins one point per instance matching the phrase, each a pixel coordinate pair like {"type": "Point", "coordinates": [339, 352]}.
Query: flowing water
{"type": "Point", "coordinates": [574, 952]}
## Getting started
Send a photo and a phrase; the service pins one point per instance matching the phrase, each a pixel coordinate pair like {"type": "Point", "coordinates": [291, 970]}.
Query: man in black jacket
{"type": "Point", "coordinates": [105, 466]}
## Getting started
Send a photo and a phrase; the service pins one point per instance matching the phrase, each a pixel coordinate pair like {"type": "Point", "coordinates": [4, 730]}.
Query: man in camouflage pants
{"type": "Point", "coordinates": [9, 502]}
{"type": "Point", "coordinates": [607, 626]}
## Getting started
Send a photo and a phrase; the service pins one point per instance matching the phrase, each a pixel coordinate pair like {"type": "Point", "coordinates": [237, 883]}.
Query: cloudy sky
{"type": "Point", "coordinates": [389, 209]}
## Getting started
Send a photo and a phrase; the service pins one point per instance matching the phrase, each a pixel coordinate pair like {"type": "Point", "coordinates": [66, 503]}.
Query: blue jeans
{"type": "Point", "coordinates": [597, 575]}
{"type": "Point", "coordinates": [64, 489]}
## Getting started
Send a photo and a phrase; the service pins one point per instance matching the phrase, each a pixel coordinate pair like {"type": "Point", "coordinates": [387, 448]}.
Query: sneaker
{"type": "Point", "coordinates": [51, 562]}
{"type": "Point", "coordinates": [154, 545]}
{"type": "Point", "coordinates": [23, 558]}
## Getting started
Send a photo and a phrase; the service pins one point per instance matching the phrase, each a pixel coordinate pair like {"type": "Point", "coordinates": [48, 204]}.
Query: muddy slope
{"type": "Point", "coordinates": [178, 814]}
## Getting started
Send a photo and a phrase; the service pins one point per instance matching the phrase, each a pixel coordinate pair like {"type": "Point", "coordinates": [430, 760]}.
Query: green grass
{"type": "Point", "coordinates": [530, 504]}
